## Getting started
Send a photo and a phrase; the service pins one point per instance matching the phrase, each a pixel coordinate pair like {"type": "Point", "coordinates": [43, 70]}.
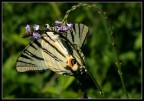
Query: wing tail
{"type": "Point", "coordinates": [86, 80]}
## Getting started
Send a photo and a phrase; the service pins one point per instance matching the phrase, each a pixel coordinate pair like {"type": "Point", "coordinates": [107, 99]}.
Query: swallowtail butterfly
{"type": "Point", "coordinates": [60, 52]}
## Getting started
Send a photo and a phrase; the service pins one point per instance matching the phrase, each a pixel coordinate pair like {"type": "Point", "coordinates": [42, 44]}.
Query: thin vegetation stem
{"type": "Point", "coordinates": [118, 63]}
{"type": "Point", "coordinates": [72, 9]}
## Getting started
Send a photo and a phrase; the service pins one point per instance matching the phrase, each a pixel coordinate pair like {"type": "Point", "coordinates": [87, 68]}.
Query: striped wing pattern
{"type": "Point", "coordinates": [43, 54]}
{"type": "Point", "coordinates": [31, 58]}
{"type": "Point", "coordinates": [77, 34]}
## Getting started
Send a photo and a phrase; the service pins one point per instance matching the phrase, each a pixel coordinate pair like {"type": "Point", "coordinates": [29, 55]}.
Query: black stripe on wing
{"type": "Point", "coordinates": [72, 36]}
{"type": "Point", "coordinates": [46, 51]}
{"type": "Point", "coordinates": [53, 46]}
{"type": "Point", "coordinates": [31, 55]}
{"type": "Point", "coordinates": [26, 63]}
{"type": "Point", "coordinates": [48, 36]}
{"type": "Point", "coordinates": [28, 55]}
{"type": "Point", "coordinates": [77, 35]}
{"type": "Point", "coordinates": [33, 46]}
{"type": "Point", "coordinates": [82, 31]}
{"type": "Point", "coordinates": [25, 56]}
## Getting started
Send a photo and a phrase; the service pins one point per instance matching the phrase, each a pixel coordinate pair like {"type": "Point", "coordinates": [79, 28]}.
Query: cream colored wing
{"type": "Point", "coordinates": [77, 34]}
{"type": "Point", "coordinates": [42, 54]}
{"type": "Point", "coordinates": [75, 38]}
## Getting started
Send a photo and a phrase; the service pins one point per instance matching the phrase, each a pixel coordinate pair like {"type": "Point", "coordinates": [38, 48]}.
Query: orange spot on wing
{"type": "Point", "coordinates": [70, 62]}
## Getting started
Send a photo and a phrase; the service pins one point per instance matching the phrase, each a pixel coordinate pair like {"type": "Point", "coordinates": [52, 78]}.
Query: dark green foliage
{"type": "Point", "coordinates": [98, 50]}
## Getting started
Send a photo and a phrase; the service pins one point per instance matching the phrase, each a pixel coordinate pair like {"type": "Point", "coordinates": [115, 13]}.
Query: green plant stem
{"type": "Point", "coordinates": [72, 9]}
{"type": "Point", "coordinates": [118, 63]}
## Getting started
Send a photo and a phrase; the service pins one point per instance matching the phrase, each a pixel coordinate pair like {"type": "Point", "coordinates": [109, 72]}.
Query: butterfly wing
{"type": "Point", "coordinates": [42, 54]}
{"type": "Point", "coordinates": [77, 34]}
{"type": "Point", "coordinates": [76, 37]}
{"type": "Point", "coordinates": [31, 58]}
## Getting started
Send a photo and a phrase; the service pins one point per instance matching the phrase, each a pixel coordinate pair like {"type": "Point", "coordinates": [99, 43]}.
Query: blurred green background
{"type": "Point", "coordinates": [99, 55]}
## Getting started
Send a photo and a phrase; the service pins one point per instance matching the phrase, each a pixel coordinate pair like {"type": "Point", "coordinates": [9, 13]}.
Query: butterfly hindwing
{"type": "Point", "coordinates": [77, 34]}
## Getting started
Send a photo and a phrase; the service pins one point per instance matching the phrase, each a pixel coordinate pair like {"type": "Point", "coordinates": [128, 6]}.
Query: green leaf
{"type": "Point", "coordinates": [65, 81]}
{"type": "Point", "coordinates": [70, 94]}
{"type": "Point", "coordinates": [138, 42]}
{"type": "Point", "coordinates": [52, 90]}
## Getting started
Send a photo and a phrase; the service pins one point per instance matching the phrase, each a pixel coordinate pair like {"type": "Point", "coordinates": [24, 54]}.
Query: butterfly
{"type": "Point", "coordinates": [58, 51]}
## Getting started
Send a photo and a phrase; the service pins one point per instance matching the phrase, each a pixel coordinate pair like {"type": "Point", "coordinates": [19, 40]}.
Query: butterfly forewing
{"type": "Point", "coordinates": [31, 58]}
{"type": "Point", "coordinates": [40, 55]}
{"type": "Point", "coordinates": [53, 56]}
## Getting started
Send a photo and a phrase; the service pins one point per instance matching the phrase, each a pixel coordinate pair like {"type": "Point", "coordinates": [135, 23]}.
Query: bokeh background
{"type": "Point", "coordinates": [98, 50]}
